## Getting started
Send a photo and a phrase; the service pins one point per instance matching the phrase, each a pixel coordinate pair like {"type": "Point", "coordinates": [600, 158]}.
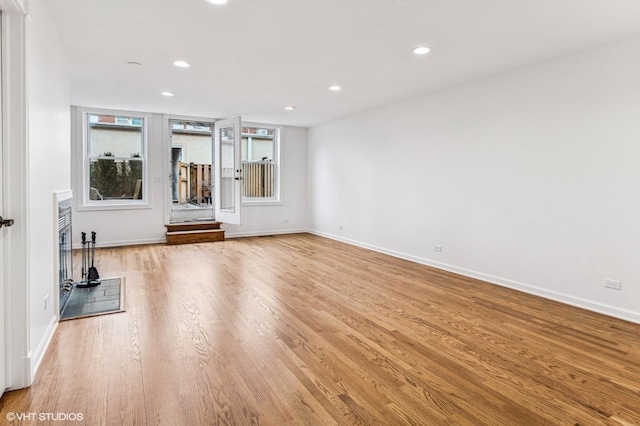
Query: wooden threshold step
{"type": "Point", "coordinates": [195, 236]}
{"type": "Point", "coordinates": [192, 226]}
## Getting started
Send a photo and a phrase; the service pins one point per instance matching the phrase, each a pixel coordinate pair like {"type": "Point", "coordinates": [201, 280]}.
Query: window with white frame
{"type": "Point", "coordinates": [115, 159]}
{"type": "Point", "coordinates": [260, 151]}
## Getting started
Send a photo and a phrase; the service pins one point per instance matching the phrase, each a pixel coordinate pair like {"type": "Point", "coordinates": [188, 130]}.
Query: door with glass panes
{"type": "Point", "coordinates": [228, 171]}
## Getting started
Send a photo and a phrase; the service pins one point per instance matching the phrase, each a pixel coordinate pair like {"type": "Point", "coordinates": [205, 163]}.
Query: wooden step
{"type": "Point", "coordinates": [192, 226]}
{"type": "Point", "coordinates": [195, 236]}
{"type": "Point", "coordinates": [194, 232]}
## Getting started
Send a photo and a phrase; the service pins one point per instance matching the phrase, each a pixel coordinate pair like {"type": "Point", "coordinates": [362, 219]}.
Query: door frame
{"type": "Point", "coordinates": [18, 369]}
{"type": "Point", "coordinates": [231, 216]}
{"type": "Point", "coordinates": [168, 169]}
{"type": "Point", "coordinates": [3, 380]}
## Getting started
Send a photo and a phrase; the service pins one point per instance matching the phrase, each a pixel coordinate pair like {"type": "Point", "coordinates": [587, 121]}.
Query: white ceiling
{"type": "Point", "coordinates": [253, 57]}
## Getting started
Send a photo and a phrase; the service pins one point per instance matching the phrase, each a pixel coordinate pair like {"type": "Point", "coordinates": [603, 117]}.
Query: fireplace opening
{"type": "Point", "coordinates": [65, 271]}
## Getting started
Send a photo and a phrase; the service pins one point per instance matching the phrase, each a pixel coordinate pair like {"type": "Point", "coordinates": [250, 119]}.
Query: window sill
{"type": "Point", "coordinates": [261, 203]}
{"type": "Point", "coordinates": [114, 205]}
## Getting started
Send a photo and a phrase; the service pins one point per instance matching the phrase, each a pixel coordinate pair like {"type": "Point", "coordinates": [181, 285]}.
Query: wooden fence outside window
{"type": "Point", "coordinates": [257, 181]}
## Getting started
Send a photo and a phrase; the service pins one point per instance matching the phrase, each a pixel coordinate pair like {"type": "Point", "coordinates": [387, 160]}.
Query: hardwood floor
{"type": "Point", "coordinates": [302, 330]}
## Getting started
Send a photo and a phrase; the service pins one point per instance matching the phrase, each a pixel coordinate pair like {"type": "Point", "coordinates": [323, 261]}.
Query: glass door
{"type": "Point", "coordinates": [228, 171]}
{"type": "Point", "coordinates": [191, 171]}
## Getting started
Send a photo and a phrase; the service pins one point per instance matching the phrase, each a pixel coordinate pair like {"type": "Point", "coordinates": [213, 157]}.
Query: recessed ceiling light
{"type": "Point", "coordinates": [182, 64]}
{"type": "Point", "coordinates": [168, 94]}
{"type": "Point", "coordinates": [335, 88]}
{"type": "Point", "coordinates": [289, 107]}
{"type": "Point", "coordinates": [217, 2]}
{"type": "Point", "coordinates": [421, 50]}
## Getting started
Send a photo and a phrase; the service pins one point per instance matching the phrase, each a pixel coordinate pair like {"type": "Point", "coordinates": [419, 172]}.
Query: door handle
{"type": "Point", "coordinates": [5, 222]}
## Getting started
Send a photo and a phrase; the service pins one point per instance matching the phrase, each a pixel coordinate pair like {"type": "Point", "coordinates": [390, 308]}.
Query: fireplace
{"type": "Point", "coordinates": [65, 262]}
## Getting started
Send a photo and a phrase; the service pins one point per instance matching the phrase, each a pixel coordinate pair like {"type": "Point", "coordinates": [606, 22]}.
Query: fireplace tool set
{"type": "Point", "coordinates": [90, 276]}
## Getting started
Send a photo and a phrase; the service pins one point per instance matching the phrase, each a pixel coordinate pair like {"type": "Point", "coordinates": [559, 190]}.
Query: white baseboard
{"type": "Point", "coordinates": [568, 299]}
{"type": "Point", "coordinates": [264, 233]}
{"type": "Point", "coordinates": [38, 354]}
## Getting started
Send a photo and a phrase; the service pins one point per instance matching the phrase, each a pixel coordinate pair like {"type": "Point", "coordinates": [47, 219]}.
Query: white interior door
{"type": "Point", "coordinates": [3, 359]}
{"type": "Point", "coordinates": [228, 171]}
{"type": "Point", "coordinates": [15, 364]}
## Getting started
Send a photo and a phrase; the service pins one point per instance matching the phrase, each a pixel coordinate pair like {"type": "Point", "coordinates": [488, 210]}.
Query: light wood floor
{"type": "Point", "coordinates": [302, 330]}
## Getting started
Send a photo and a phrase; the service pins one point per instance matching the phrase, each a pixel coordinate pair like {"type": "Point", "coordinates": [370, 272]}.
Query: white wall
{"type": "Point", "coordinates": [291, 214]}
{"type": "Point", "coordinates": [48, 167]}
{"type": "Point", "coordinates": [125, 227]}
{"type": "Point", "coordinates": [529, 179]}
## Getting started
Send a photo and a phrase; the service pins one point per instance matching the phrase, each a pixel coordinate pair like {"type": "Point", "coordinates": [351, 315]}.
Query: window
{"type": "Point", "coordinates": [260, 151]}
{"type": "Point", "coordinates": [115, 161]}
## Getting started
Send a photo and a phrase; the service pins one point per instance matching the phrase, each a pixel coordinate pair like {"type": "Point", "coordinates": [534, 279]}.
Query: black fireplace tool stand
{"type": "Point", "coordinates": [90, 276]}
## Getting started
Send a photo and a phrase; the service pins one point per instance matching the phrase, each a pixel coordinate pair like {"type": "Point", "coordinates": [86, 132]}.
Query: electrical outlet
{"type": "Point", "coordinates": [437, 247]}
{"type": "Point", "coordinates": [613, 284]}
{"type": "Point", "coordinates": [286, 221]}
{"type": "Point", "coordinates": [340, 227]}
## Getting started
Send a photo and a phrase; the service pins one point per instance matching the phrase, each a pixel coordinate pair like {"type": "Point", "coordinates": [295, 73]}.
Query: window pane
{"type": "Point", "coordinates": [261, 150]}
{"type": "Point", "coordinates": [227, 194]}
{"type": "Point", "coordinates": [115, 179]}
{"type": "Point", "coordinates": [119, 136]}
{"type": "Point", "coordinates": [259, 162]}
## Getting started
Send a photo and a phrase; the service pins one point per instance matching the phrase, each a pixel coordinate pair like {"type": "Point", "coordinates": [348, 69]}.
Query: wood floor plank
{"type": "Point", "coordinates": [303, 330]}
